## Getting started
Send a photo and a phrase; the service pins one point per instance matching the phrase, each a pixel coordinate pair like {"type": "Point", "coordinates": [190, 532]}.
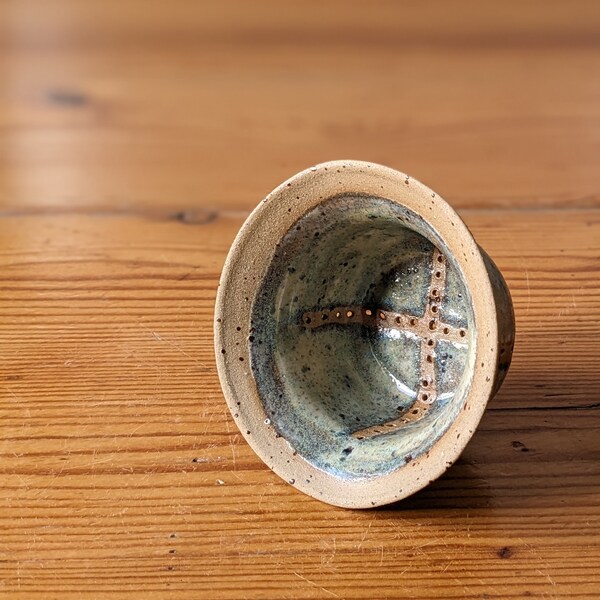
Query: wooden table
{"type": "Point", "coordinates": [134, 139]}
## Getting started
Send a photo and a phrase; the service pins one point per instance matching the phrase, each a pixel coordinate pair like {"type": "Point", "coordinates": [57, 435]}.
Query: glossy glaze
{"type": "Point", "coordinates": [338, 337]}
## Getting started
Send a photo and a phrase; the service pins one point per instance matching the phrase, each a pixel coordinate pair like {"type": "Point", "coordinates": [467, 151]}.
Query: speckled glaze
{"type": "Point", "coordinates": [359, 333]}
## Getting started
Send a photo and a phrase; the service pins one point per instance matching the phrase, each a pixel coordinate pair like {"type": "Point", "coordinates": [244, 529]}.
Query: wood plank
{"type": "Point", "coordinates": [214, 104]}
{"type": "Point", "coordinates": [134, 138]}
{"type": "Point", "coordinates": [121, 471]}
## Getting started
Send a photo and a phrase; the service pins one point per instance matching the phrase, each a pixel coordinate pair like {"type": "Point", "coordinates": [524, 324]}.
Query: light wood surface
{"type": "Point", "coordinates": [134, 139]}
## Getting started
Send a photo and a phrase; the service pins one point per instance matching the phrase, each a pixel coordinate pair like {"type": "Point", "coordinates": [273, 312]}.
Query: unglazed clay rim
{"type": "Point", "coordinates": [245, 266]}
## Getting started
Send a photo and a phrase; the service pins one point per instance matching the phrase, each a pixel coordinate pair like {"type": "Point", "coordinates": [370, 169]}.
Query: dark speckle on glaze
{"type": "Point", "coordinates": [326, 380]}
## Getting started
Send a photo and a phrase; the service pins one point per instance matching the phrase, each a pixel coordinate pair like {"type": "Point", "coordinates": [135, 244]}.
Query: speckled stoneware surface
{"type": "Point", "coordinates": [359, 333]}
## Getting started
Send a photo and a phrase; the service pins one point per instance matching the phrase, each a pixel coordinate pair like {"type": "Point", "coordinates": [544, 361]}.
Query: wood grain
{"type": "Point", "coordinates": [134, 138]}
{"type": "Point", "coordinates": [122, 103]}
{"type": "Point", "coordinates": [115, 435]}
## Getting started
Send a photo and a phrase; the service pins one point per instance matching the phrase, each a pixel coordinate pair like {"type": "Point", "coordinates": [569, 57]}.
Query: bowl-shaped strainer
{"type": "Point", "coordinates": [360, 332]}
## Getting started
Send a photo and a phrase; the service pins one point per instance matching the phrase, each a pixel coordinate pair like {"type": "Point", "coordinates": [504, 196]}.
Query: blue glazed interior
{"type": "Point", "coordinates": [320, 385]}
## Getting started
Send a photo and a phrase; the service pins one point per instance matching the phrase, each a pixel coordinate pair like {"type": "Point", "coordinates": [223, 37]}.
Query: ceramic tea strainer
{"type": "Point", "coordinates": [360, 332]}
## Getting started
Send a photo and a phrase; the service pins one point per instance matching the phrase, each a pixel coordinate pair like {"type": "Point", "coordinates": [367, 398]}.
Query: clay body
{"type": "Point", "coordinates": [359, 333]}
